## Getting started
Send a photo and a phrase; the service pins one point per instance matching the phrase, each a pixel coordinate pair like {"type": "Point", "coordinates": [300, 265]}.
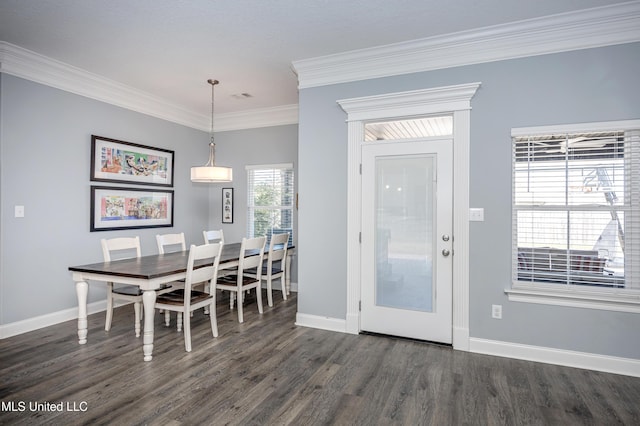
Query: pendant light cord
{"type": "Point", "coordinates": [212, 145]}
{"type": "Point", "coordinates": [213, 85]}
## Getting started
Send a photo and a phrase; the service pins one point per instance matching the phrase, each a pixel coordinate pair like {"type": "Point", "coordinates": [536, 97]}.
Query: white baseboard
{"type": "Point", "coordinates": [605, 363]}
{"type": "Point", "coordinates": [589, 361]}
{"type": "Point", "coordinates": [31, 324]}
{"type": "Point", "coordinates": [323, 323]}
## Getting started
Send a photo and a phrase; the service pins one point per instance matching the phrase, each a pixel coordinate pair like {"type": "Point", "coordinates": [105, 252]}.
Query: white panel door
{"type": "Point", "coordinates": [406, 263]}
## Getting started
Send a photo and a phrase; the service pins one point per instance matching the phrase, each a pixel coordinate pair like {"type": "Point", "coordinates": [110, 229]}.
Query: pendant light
{"type": "Point", "coordinates": [210, 173]}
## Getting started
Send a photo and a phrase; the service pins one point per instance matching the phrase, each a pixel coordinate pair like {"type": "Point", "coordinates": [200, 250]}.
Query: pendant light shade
{"type": "Point", "coordinates": [210, 173]}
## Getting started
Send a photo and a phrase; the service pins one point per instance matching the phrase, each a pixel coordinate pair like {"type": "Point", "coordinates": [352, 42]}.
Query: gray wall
{"type": "Point", "coordinates": [45, 143]}
{"type": "Point", "coordinates": [582, 86]}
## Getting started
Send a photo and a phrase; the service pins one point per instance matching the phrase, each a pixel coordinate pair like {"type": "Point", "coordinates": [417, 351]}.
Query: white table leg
{"type": "Point", "coordinates": [287, 273]}
{"type": "Point", "coordinates": [148, 301]}
{"type": "Point", "coordinates": [82, 289]}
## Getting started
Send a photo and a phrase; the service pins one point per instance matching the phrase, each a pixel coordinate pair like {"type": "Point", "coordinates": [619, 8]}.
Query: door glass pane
{"type": "Point", "coordinates": [423, 127]}
{"type": "Point", "coordinates": [404, 232]}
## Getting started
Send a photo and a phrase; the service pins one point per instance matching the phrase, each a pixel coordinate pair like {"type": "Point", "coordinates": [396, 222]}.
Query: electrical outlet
{"type": "Point", "coordinates": [496, 311]}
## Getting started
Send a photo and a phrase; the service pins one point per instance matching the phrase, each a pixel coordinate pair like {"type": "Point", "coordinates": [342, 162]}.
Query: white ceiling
{"type": "Point", "coordinates": [169, 48]}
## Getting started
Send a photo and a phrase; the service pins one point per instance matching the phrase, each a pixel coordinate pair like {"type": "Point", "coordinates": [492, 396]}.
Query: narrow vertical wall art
{"type": "Point", "coordinates": [227, 205]}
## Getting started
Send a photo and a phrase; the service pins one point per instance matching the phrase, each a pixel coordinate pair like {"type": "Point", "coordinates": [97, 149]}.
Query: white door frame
{"type": "Point", "coordinates": [454, 100]}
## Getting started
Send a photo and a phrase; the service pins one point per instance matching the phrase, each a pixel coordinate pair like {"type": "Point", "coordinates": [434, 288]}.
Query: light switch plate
{"type": "Point", "coordinates": [19, 211]}
{"type": "Point", "coordinates": [476, 215]}
{"type": "Point", "coordinates": [496, 311]}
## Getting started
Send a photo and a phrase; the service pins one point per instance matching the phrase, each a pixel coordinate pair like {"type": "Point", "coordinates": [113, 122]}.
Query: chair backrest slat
{"type": "Point", "coordinates": [215, 236]}
{"type": "Point", "coordinates": [170, 240]}
{"type": "Point", "coordinates": [130, 244]}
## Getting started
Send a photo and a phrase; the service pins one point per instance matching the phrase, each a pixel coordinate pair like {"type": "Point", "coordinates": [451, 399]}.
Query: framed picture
{"type": "Point", "coordinates": [114, 208]}
{"type": "Point", "coordinates": [227, 205]}
{"type": "Point", "coordinates": [118, 161]}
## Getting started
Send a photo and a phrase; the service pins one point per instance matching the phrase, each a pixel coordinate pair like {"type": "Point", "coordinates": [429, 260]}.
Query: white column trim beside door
{"type": "Point", "coordinates": [450, 99]}
{"type": "Point", "coordinates": [356, 136]}
{"type": "Point", "coordinates": [461, 142]}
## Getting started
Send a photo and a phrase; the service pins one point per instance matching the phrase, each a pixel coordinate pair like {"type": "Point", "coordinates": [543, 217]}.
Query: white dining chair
{"type": "Point", "coordinates": [168, 243]}
{"type": "Point", "coordinates": [239, 282]}
{"type": "Point", "coordinates": [186, 300]}
{"type": "Point", "coordinates": [115, 249]}
{"type": "Point", "coordinates": [218, 236]}
{"type": "Point", "coordinates": [274, 265]}
{"type": "Point", "coordinates": [124, 248]}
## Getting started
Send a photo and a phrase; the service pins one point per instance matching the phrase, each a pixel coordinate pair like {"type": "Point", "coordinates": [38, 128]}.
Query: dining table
{"type": "Point", "coordinates": [150, 273]}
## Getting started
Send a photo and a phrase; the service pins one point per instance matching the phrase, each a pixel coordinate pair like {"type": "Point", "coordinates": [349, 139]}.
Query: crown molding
{"type": "Point", "coordinates": [23, 63]}
{"type": "Point", "coordinates": [589, 28]}
{"type": "Point", "coordinates": [41, 69]}
{"type": "Point", "coordinates": [263, 117]}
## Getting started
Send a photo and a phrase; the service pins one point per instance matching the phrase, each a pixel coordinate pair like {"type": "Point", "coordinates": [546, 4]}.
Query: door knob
{"type": "Point", "coordinates": [445, 237]}
{"type": "Point", "coordinates": [445, 252]}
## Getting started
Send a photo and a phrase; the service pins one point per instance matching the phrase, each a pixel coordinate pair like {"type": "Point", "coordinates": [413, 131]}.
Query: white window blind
{"type": "Point", "coordinates": [576, 210]}
{"type": "Point", "coordinates": [270, 200]}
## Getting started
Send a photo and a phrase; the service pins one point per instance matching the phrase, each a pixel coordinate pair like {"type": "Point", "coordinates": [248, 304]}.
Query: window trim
{"type": "Point", "coordinates": [619, 300]}
{"type": "Point", "coordinates": [577, 299]}
{"type": "Point", "coordinates": [603, 126]}
{"type": "Point", "coordinates": [268, 166]}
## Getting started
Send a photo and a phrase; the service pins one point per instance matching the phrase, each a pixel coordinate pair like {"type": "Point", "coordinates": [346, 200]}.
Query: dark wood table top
{"type": "Point", "coordinates": [157, 265]}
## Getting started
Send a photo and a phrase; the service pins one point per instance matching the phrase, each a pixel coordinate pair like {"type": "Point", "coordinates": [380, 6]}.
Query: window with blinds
{"type": "Point", "coordinates": [576, 209]}
{"type": "Point", "coordinates": [270, 201]}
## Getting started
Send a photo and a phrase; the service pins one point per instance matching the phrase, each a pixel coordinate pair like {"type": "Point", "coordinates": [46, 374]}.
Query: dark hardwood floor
{"type": "Point", "coordinates": [268, 371]}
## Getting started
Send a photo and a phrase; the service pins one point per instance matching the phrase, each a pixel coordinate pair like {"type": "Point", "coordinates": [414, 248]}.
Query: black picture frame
{"type": "Point", "coordinates": [227, 205]}
{"type": "Point", "coordinates": [116, 208]}
{"type": "Point", "coordinates": [118, 161]}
